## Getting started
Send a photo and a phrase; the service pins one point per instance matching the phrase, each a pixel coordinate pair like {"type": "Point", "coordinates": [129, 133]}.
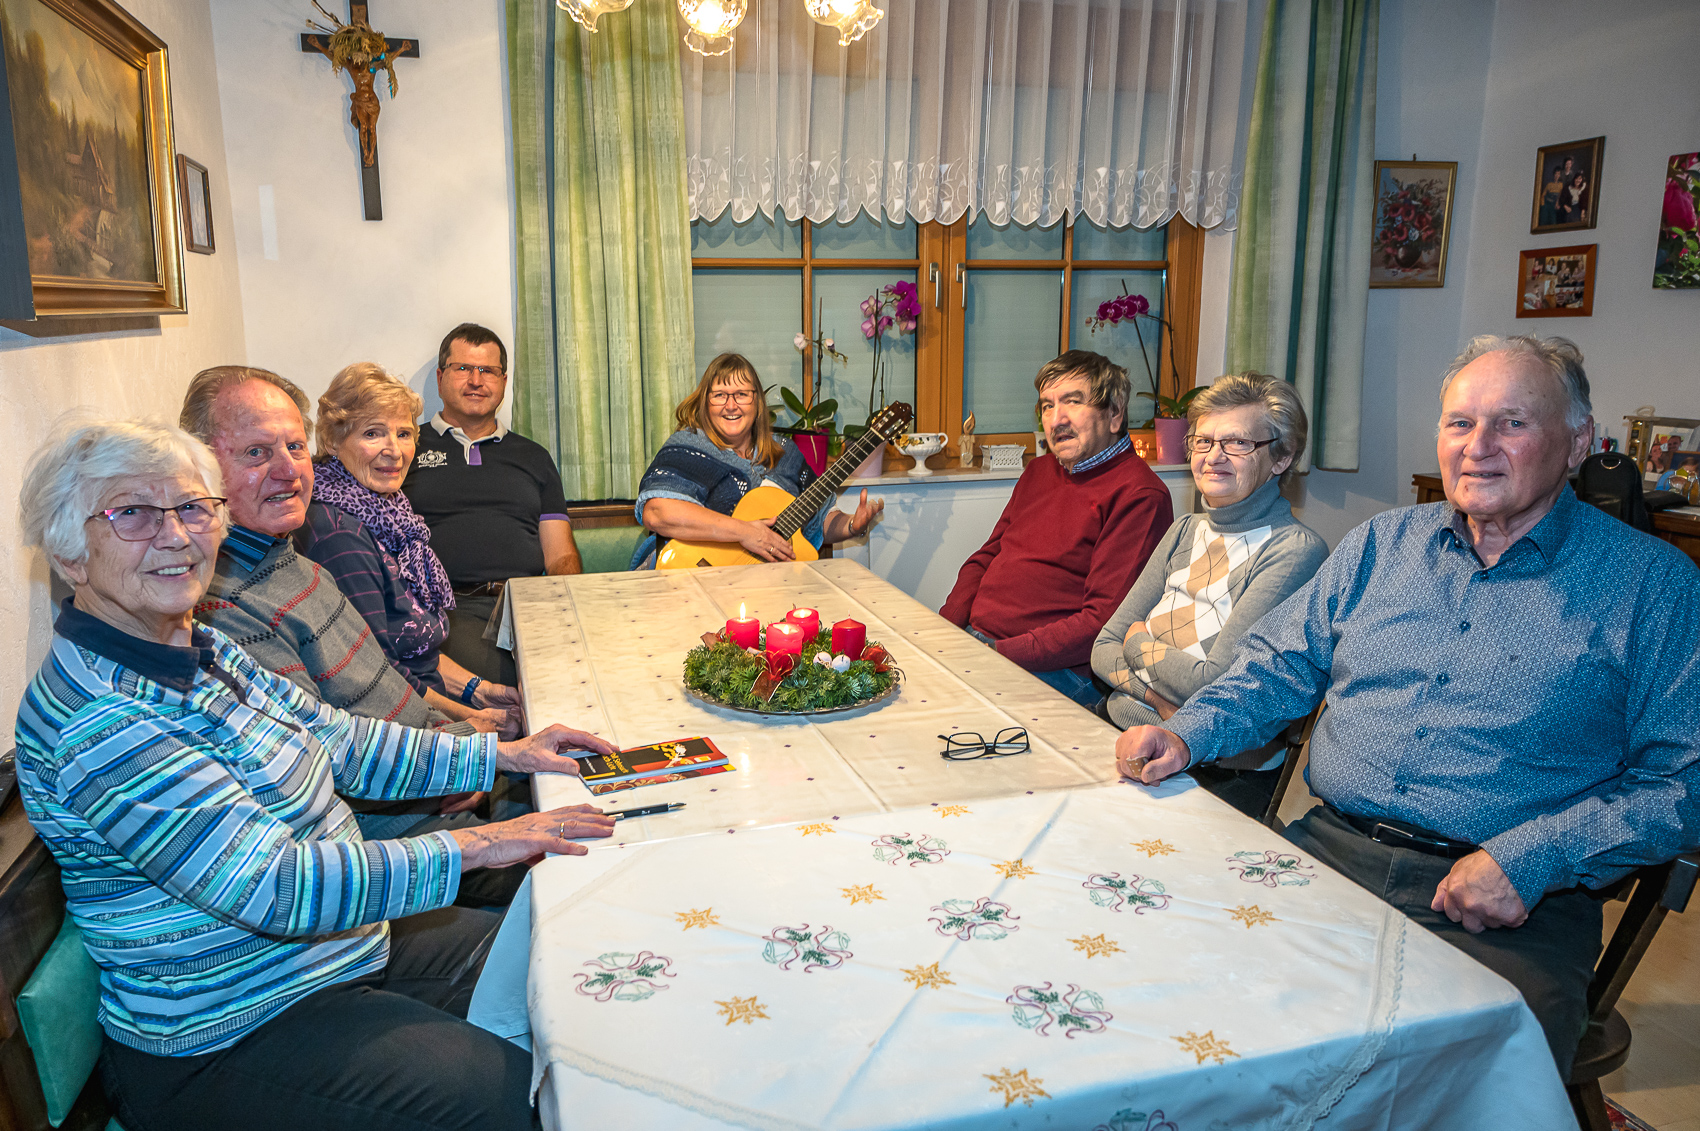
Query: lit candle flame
{"type": "Point", "coordinates": [742, 615]}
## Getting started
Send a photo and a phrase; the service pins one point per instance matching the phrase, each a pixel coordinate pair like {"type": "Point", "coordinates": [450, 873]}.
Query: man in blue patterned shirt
{"type": "Point", "coordinates": [1512, 687]}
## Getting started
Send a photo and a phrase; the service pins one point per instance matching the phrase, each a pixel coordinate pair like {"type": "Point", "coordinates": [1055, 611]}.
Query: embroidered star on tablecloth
{"type": "Point", "coordinates": [745, 1009]}
{"type": "Point", "coordinates": [861, 893]}
{"type": "Point", "coordinates": [1015, 869]}
{"type": "Point", "coordinates": [954, 811]}
{"type": "Point", "coordinates": [1252, 916]}
{"type": "Point", "coordinates": [1096, 945]}
{"type": "Point", "coordinates": [929, 975]}
{"type": "Point", "coordinates": [1206, 1047]}
{"type": "Point", "coordinates": [705, 918]}
{"type": "Point", "coordinates": [1154, 847]}
{"type": "Point", "coordinates": [1017, 1086]}
{"type": "Point", "coordinates": [818, 827]}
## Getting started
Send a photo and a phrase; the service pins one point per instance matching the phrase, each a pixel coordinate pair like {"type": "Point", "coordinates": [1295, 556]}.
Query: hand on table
{"type": "Point", "coordinates": [1150, 754]}
{"type": "Point", "coordinates": [760, 540]}
{"type": "Point", "coordinates": [527, 838]}
{"type": "Point", "coordinates": [1477, 894]}
{"type": "Point", "coordinates": [540, 754]}
{"type": "Point", "coordinates": [461, 803]}
{"type": "Point", "coordinates": [507, 699]}
{"type": "Point", "coordinates": [495, 720]}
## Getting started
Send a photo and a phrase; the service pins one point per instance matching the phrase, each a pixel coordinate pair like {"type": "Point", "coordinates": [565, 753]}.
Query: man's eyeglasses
{"type": "Point", "coordinates": [140, 522]}
{"type": "Point", "coordinates": [967, 745]}
{"type": "Point", "coordinates": [1231, 445]}
{"type": "Point", "coordinates": [737, 396]}
{"type": "Point", "coordinates": [482, 370]}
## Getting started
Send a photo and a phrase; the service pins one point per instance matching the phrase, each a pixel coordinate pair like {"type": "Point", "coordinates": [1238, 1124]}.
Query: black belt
{"type": "Point", "coordinates": [488, 589]}
{"type": "Point", "coordinates": [1398, 834]}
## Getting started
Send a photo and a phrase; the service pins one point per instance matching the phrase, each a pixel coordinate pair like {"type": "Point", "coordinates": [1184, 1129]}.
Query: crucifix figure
{"type": "Point", "coordinates": [354, 47]}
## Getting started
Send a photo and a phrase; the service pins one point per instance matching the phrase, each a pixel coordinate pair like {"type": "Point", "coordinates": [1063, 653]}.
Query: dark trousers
{"type": "Point", "coordinates": [391, 1052]}
{"type": "Point", "coordinates": [1249, 791]}
{"type": "Point", "coordinates": [467, 647]}
{"type": "Point", "coordinates": [1550, 958]}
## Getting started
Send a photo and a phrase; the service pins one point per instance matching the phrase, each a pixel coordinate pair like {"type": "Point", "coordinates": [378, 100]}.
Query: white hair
{"type": "Point", "coordinates": [81, 460]}
{"type": "Point", "coordinates": [1558, 356]}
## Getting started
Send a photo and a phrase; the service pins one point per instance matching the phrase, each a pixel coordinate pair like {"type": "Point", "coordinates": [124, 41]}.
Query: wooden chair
{"type": "Point", "coordinates": [1297, 740]}
{"type": "Point", "coordinates": [1652, 892]}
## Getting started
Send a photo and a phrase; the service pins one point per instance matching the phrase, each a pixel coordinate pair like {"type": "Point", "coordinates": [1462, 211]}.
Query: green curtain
{"type": "Point", "coordinates": [1300, 284]}
{"type": "Point", "coordinates": [604, 346]}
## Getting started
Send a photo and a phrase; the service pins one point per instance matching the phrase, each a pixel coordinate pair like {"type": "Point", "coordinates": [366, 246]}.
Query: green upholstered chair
{"type": "Point", "coordinates": [58, 1009]}
{"type": "Point", "coordinates": [607, 549]}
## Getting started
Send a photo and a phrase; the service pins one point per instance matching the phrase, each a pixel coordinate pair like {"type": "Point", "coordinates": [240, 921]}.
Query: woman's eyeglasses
{"type": "Point", "coordinates": [1231, 445]}
{"type": "Point", "coordinates": [966, 745]}
{"type": "Point", "coordinates": [139, 522]}
{"type": "Point", "coordinates": [737, 396]}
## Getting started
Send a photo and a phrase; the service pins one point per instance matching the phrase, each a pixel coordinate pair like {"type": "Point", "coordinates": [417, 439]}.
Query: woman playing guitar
{"type": "Point", "coordinates": [724, 448]}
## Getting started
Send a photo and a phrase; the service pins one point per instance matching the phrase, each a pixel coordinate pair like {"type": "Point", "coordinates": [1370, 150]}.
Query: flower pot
{"type": "Point", "coordinates": [873, 466]}
{"type": "Point", "coordinates": [1171, 439]}
{"type": "Point", "coordinates": [813, 445]}
{"type": "Point", "coordinates": [1408, 254]}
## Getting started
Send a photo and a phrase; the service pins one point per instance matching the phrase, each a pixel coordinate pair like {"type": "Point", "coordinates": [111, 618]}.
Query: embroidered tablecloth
{"type": "Point", "coordinates": [1108, 958]}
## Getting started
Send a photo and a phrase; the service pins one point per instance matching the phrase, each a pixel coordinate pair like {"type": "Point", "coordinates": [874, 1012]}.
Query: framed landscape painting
{"type": "Point", "coordinates": [1678, 261]}
{"type": "Point", "coordinates": [90, 124]}
{"type": "Point", "coordinates": [1413, 220]}
{"type": "Point", "coordinates": [1556, 282]}
{"type": "Point", "coordinates": [1567, 186]}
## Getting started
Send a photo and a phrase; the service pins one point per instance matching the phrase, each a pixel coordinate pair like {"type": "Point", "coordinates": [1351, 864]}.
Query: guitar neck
{"type": "Point", "coordinates": [794, 517]}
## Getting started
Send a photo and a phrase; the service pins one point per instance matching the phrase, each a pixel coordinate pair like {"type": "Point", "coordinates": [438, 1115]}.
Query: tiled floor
{"type": "Point", "coordinates": [1661, 1082]}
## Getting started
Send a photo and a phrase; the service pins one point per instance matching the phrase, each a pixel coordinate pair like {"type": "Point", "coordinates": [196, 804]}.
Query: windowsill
{"type": "Point", "coordinates": [968, 475]}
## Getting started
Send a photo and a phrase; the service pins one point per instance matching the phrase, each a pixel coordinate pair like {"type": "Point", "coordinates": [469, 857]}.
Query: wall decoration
{"type": "Point", "coordinates": [354, 47]}
{"type": "Point", "coordinates": [1556, 282]}
{"type": "Point", "coordinates": [1678, 263]}
{"type": "Point", "coordinates": [91, 120]}
{"type": "Point", "coordinates": [196, 193]}
{"type": "Point", "coordinates": [1413, 221]}
{"type": "Point", "coordinates": [1567, 186]}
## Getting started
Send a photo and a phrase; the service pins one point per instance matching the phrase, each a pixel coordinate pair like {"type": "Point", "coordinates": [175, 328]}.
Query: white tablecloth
{"type": "Point", "coordinates": [1125, 959]}
{"type": "Point", "coordinates": [605, 653]}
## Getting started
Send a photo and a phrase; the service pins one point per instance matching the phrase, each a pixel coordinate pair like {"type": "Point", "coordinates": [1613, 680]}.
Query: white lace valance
{"type": "Point", "coordinates": [1122, 111]}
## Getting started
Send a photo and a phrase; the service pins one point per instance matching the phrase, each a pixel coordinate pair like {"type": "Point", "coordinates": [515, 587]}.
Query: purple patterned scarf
{"type": "Point", "coordinates": [392, 522]}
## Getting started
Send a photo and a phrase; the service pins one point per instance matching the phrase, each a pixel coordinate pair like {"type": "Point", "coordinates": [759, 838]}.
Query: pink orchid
{"type": "Point", "coordinates": [868, 328]}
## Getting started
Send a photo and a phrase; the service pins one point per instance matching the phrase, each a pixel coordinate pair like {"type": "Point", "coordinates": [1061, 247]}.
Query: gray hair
{"type": "Point", "coordinates": [1559, 357]}
{"type": "Point", "coordinates": [81, 460]}
{"type": "Point", "coordinates": [204, 388]}
{"type": "Point", "coordinates": [355, 394]}
{"type": "Point", "coordinates": [1280, 404]}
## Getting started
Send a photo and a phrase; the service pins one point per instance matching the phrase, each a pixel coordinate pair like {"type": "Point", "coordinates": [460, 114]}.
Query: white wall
{"type": "Point", "coordinates": [131, 372]}
{"type": "Point", "coordinates": [336, 288]}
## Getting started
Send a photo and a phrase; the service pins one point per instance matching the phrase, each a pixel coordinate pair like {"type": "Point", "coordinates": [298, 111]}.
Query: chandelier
{"type": "Point", "coordinates": [584, 12]}
{"type": "Point", "coordinates": [852, 18]}
{"type": "Point", "coordinates": [712, 23]}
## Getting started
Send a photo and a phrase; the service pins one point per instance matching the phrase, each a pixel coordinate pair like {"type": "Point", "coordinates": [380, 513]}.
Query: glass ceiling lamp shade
{"type": "Point", "coordinates": [852, 18]}
{"type": "Point", "coordinates": [712, 23]}
{"type": "Point", "coordinates": [584, 12]}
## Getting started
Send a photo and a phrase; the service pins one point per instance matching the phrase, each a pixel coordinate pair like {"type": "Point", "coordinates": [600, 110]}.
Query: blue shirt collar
{"type": "Point", "coordinates": [165, 664]}
{"type": "Point", "coordinates": [1547, 536]}
{"type": "Point", "coordinates": [248, 547]}
{"type": "Point", "coordinates": [1082, 466]}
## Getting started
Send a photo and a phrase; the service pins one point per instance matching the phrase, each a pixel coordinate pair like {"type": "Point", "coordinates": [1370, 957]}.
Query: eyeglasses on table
{"type": "Point", "coordinates": [966, 745]}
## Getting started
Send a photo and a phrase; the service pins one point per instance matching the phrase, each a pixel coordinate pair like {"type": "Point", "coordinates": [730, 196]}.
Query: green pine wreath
{"type": "Point", "coordinates": [726, 673]}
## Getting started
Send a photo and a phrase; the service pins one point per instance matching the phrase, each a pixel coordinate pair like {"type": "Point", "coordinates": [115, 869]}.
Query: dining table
{"type": "Point", "coordinates": [847, 930]}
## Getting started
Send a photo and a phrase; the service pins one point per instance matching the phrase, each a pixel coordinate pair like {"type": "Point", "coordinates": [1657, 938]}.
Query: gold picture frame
{"type": "Point", "coordinates": [1557, 282]}
{"type": "Point", "coordinates": [1412, 223]}
{"type": "Point", "coordinates": [97, 192]}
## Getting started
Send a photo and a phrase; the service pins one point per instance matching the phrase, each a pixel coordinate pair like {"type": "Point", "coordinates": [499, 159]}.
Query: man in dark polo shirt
{"type": "Point", "coordinates": [491, 497]}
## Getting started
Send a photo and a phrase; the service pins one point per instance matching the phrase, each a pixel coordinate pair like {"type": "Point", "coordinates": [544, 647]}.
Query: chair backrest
{"type": "Point", "coordinates": [607, 549]}
{"type": "Point", "coordinates": [1659, 889]}
{"type": "Point", "coordinates": [1297, 739]}
{"type": "Point", "coordinates": [1612, 482]}
{"type": "Point", "coordinates": [58, 1008]}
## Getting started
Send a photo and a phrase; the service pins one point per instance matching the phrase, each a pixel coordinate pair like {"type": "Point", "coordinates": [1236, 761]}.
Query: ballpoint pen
{"type": "Point", "coordinates": [646, 811]}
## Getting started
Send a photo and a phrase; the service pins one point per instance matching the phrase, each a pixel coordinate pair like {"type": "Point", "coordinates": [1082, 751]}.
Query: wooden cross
{"type": "Point", "coordinates": [363, 101]}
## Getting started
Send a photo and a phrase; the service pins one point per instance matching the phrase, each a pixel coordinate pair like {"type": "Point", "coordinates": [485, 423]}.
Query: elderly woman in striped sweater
{"type": "Point", "coordinates": [1214, 574]}
{"type": "Point", "coordinates": [261, 964]}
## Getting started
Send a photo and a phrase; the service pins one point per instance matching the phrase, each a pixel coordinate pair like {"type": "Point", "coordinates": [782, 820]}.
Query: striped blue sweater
{"type": "Point", "coordinates": [190, 797]}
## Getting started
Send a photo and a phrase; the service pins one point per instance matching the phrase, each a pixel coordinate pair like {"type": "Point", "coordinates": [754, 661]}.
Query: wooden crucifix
{"type": "Point", "coordinates": [354, 47]}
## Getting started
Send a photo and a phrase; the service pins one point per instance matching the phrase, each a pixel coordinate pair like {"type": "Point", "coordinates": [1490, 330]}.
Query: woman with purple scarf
{"type": "Point", "coordinates": [361, 529]}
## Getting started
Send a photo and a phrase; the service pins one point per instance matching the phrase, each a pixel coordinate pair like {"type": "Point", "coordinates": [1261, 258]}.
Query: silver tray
{"type": "Point", "coordinates": [888, 693]}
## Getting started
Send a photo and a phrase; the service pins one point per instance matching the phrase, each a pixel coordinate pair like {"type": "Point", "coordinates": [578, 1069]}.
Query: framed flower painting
{"type": "Point", "coordinates": [1413, 221]}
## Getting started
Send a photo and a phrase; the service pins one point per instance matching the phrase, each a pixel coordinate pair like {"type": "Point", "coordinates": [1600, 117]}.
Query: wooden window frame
{"type": "Point", "coordinates": [942, 269]}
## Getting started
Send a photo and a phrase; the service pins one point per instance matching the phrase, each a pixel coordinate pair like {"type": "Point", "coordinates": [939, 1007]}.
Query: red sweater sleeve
{"type": "Point", "coordinates": [1135, 523]}
{"type": "Point", "coordinates": [960, 603]}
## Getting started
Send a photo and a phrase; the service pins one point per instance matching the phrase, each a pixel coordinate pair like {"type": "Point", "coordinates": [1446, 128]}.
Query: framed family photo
{"type": "Point", "coordinates": [1567, 186]}
{"type": "Point", "coordinates": [1556, 282]}
{"type": "Point", "coordinates": [94, 178]}
{"type": "Point", "coordinates": [1413, 220]}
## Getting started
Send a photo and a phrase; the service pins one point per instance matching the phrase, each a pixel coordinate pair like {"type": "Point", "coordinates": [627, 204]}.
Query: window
{"type": "Point", "coordinates": [997, 303]}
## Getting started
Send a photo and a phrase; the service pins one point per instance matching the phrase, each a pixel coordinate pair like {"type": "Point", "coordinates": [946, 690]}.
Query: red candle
{"type": "Point", "coordinates": [783, 636]}
{"type": "Point", "coordinates": [806, 619]}
{"type": "Point", "coordinates": [743, 631]}
{"type": "Point", "coordinates": [849, 637]}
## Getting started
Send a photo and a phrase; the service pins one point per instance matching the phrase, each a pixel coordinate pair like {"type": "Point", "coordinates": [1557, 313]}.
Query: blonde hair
{"type": "Point", "coordinates": [79, 463]}
{"type": "Point", "coordinates": [1280, 404]}
{"type": "Point", "coordinates": [357, 394]}
{"type": "Point", "coordinates": [730, 369]}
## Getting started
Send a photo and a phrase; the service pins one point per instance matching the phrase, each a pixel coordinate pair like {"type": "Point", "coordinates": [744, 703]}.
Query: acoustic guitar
{"type": "Point", "coordinates": [789, 512]}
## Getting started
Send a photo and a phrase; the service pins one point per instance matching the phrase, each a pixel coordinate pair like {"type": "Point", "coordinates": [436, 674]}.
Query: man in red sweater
{"type": "Point", "coordinates": [1075, 534]}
